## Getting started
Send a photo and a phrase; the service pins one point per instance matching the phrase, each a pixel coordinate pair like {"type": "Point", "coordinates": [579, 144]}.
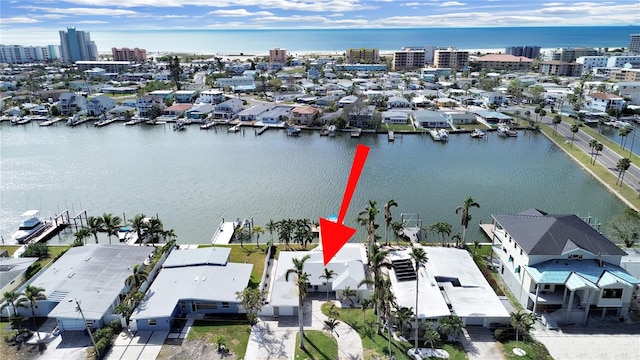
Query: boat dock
{"type": "Point", "coordinates": [356, 133]}
{"type": "Point", "coordinates": [76, 122]}
{"type": "Point", "coordinates": [262, 130]}
{"type": "Point", "coordinates": [208, 125]}
{"type": "Point", "coordinates": [224, 232]}
{"type": "Point", "coordinates": [411, 226]}
{"type": "Point", "coordinates": [390, 135]}
{"type": "Point", "coordinates": [50, 122]}
{"type": "Point", "coordinates": [134, 121]}
{"type": "Point", "coordinates": [105, 122]}
{"type": "Point", "coordinates": [51, 228]}
{"type": "Point", "coordinates": [234, 129]}
{"type": "Point", "coordinates": [487, 229]}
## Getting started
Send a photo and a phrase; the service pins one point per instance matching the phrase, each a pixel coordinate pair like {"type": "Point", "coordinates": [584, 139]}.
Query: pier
{"type": "Point", "coordinates": [411, 226]}
{"type": "Point", "coordinates": [50, 122]}
{"type": "Point", "coordinates": [234, 129]}
{"type": "Point", "coordinates": [208, 125]}
{"type": "Point", "coordinates": [390, 135]}
{"type": "Point", "coordinates": [262, 130]}
{"type": "Point", "coordinates": [356, 133]}
{"type": "Point", "coordinates": [224, 232]}
{"type": "Point", "coordinates": [105, 122]}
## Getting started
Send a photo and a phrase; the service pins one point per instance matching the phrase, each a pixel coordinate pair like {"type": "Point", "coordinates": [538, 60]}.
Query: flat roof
{"type": "Point", "coordinates": [203, 256]}
{"type": "Point", "coordinates": [474, 297]}
{"type": "Point", "coordinates": [11, 268]}
{"type": "Point", "coordinates": [206, 283]}
{"type": "Point", "coordinates": [92, 274]}
{"type": "Point", "coordinates": [557, 271]}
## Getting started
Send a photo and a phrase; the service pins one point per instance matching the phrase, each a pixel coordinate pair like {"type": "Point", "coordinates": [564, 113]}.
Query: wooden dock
{"type": "Point", "coordinates": [487, 229]}
{"type": "Point", "coordinates": [51, 228]}
{"type": "Point", "coordinates": [234, 129]}
{"type": "Point", "coordinates": [208, 125]}
{"type": "Point", "coordinates": [50, 122]}
{"type": "Point", "coordinates": [224, 233]}
{"type": "Point", "coordinates": [262, 130]}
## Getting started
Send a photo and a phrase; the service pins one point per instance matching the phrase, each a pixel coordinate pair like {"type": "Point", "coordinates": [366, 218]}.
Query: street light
{"type": "Point", "coordinates": [87, 326]}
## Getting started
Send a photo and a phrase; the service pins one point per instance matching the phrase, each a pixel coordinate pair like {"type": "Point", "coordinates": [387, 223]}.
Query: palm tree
{"type": "Point", "coordinates": [32, 294]}
{"type": "Point", "coordinates": [397, 229]}
{"type": "Point", "coordinates": [301, 281]}
{"type": "Point", "coordinates": [592, 145]}
{"type": "Point", "coordinates": [11, 299]}
{"type": "Point", "coordinates": [598, 148]}
{"type": "Point", "coordinates": [367, 218]}
{"type": "Point", "coordinates": [522, 321]}
{"type": "Point", "coordinates": [403, 316]}
{"type": "Point", "coordinates": [331, 324]}
{"type": "Point", "coordinates": [431, 336]}
{"type": "Point", "coordinates": [451, 326]}
{"type": "Point", "coordinates": [137, 278]}
{"type": "Point", "coordinates": [271, 226]}
{"type": "Point", "coordinates": [365, 304]}
{"type": "Point", "coordinates": [257, 230]}
{"type": "Point", "coordinates": [557, 119]}
{"type": "Point", "coordinates": [111, 225]}
{"type": "Point", "coordinates": [138, 224]}
{"type": "Point", "coordinates": [387, 218]}
{"type": "Point", "coordinates": [623, 132]}
{"type": "Point", "coordinates": [154, 229]}
{"type": "Point", "coordinates": [622, 166]}
{"type": "Point", "coordinates": [574, 129]}
{"type": "Point", "coordinates": [348, 294]}
{"type": "Point", "coordinates": [466, 216]}
{"type": "Point", "coordinates": [81, 235]}
{"type": "Point", "coordinates": [441, 228]}
{"type": "Point", "coordinates": [327, 276]}
{"type": "Point", "coordinates": [94, 226]}
{"type": "Point", "coordinates": [458, 239]}
{"type": "Point", "coordinates": [125, 309]}
{"type": "Point", "coordinates": [419, 257]}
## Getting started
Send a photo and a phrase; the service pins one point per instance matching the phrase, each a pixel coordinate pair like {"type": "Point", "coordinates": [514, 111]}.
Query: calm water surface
{"type": "Point", "coordinates": [194, 178]}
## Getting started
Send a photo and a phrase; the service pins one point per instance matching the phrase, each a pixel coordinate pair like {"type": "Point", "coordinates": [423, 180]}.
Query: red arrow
{"type": "Point", "coordinates": [333, 234]}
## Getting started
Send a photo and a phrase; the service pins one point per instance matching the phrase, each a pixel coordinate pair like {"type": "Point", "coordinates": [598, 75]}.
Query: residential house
{"type": "Point", "coordinates": [185, 96]}
{"type": "Point", "coordinates": [492, 117]}
{"type": "Point", "coordinates": [228, 109]}
{"type": "Point", "coordinates": [429, 119]}
{"type": "Point", "coordinates": [493, 98]}
{"type": "Point", "coordinates": [560, 266]}
{"type": "Point", "coordinates": [446, 102]}
{"type": "Point", "coordinates": [176, 110]}
{"type": "Point", "coordinates": [144, 104]}
{"type": "Point", "coordinates": [347, 100]}
{"type": "Point", "coordinates": [200, 111]}
{"type": "Point", "coordinates": [164, 94]}
{"type": "Point", "coordinates": [275, 115]}
{"type": "Point", "coordinates": [69, 103]}
{"type": "Point", "coordinates": [208, 283]}
{"type": "Point", "coordinates": [72, 279]}
{"type": "Point", "coordinates": [361, 116]}
{"type": "Point", "coordinates": [601, 102]}
{"type": "Point", "coordinates": [326, 100]}
{"type": "Point", "coordinates": [211, 96]}
{"type": "Point", "coordinates": [313, 73]}
{"type": "Point", "coordinates": [398, 102]}
{"type": "Point", "coordinates": [99, 105]}
{"type": "Point", "coordinates": [12, 273]}
{"type": "Point", "coordinates": [348, 265]}
{"type": "Point", "coordinates": [252, 113]}
{"type": "Point", "coordinates": [304, 115]}
{"type": "Point", "coordinates": [394, 117]}
{"type": "Point", "coordinates": [237, 83]}
{"type": "Point", "coordinates": [460, 118]}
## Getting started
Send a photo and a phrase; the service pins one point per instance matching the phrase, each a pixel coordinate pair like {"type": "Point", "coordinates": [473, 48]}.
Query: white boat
{"type": "Point", "coordinates": [293, 131]}
{"type": "Point", "coordinates": [444, 135]}
{"type": "Point", "coordinates": [124, 233]}
{"type": "Point", "coordinates": [30, 226]}
{"type": "Point", "coordinates": [506, 131]}
{"type": "Point", "coordinates": [477, 133]}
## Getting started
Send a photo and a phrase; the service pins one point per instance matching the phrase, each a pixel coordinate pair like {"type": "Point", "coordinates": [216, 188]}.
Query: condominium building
{"type": "Point", "coordinates": [504, 62]}
{"type": "Point", "coordinates": [590, 62]}
{"type": "Point", "coordinates": [126, 54]}
{"type": "Point", "coordinates": [23, 54]}
{"type": "Point", "coordinates": [451, 58]}
{"type": "Point", "coordinates": [409, 59]}
{"type": "Point", "coordinates": [625, 75]}
{"type": "Point", "coordinates": [569, 54]}
{"type": "Point", "coordinates": [278, 55]}
{"type": "Point", "coordinates": [634, 44]}
{"type": "Point", "coordinates": [559, 68]}
{"type": "Point", "coordinates": [76, 45]}
{"type": "Point", "coordinates": [530, 52]}
{"type": "Point", "coordinates": [363, 56]}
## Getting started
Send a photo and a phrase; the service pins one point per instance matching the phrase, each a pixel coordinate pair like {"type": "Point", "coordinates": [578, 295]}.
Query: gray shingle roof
{"type": "Point", "coordinates": [539, 233]}
{"type": "Point", "coordinates": [204, 256]}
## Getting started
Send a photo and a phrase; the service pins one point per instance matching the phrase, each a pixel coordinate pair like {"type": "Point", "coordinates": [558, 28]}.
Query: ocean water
{"type": "Point", "coordinates": [253, 41]}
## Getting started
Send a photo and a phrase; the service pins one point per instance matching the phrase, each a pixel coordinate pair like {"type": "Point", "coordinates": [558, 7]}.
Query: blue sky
{"type": "Point", "coordinates": [39, 15]}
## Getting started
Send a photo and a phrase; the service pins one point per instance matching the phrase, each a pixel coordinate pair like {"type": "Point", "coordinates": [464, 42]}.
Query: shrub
{"type": "Point", "coordinates": [103, 346]}
{"type": "Point", "coordinates": [104, 333]}
{"type": "Point", "coordinates": [38, 250]}
{"type": "Point", "coordinates": [116, 326]}
{"type": "Point", "coordinates": [32, 270]}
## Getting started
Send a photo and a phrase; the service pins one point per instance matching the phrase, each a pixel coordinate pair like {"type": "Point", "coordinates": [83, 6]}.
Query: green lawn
{"type": "Point", "coordinates": [399, 127]}
{"type": "Point", "coordinates": [600, 172]}
{"type": "Point", "coordinates": [10, 248]}
{"type": "Point", "coordinates": [318, 346]}
{"type": "Point", "coordinates": [235, 334]}
{"type": "Point", "coordinates": [535, 351]}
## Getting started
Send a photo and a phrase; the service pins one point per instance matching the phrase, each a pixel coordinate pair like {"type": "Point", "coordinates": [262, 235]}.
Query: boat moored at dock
{"type": "Point", "coordinates": [477, 134]}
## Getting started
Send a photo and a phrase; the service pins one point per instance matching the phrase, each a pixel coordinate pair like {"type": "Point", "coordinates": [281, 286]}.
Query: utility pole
{"type": "Point", "coordinates": [87, 326]}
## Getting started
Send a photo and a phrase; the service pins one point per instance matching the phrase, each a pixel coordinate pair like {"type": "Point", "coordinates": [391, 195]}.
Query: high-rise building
{"type": "Point", "coordinates": [634, 44]}
{"type": "Point", "coordinates": [77, 46]}
{"type": "Point", "coordinates": [530, 52]}
{"type": "Point", "coordinates": [451, 58]}
{"type": "Point", "coordinates": [409, 59]}
{"type": "Point", "coordinates": [278, 56]}
{"type": "Point", "coordinates": [569, 54]}
{"type": "Point", "coordinates": [363, 56]}
{"type": "Point", "coordinates": [126, 54]}
{"type": "Point", "coordinates": [24, 54]}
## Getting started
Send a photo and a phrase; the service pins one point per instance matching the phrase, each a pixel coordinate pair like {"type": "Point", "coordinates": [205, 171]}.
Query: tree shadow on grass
{"type": "Point", "coordinates": [317, 349]}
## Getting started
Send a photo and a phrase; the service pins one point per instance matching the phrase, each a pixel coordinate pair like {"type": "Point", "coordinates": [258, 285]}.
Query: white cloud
{"type": "Point", "coordinates": [452, 3]}
{"type": "Point", "coordinates": [238, 13]}
{"type": "Point", "coordinates": [51, 16]}
{"type": "Point", "coordinates": [82, 11]}
{"type": "Point", "coordinates": [18, 20]}
{"type": "Point", "coordinates": [90, 22]}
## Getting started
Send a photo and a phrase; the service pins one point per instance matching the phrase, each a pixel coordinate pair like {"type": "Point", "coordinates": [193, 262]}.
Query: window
{"type": "Point", "coordinates": [183, 305]}
{"type": "Point", "coordinates": [152, 322]}
{"type": "Point", "coordinates": [206, 305]}
{"type": "Point", "coordinates": [547, 286]}
{"type": "Point", "coordinates": [225, 305]}
{"type": "Point", "coordinates": [612, 293]}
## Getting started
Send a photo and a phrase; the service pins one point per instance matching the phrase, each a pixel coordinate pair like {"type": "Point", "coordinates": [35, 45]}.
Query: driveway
{"type": "Point", "coordinates": [140, 345]}
{"type": "Point", "coordinates": [479, 344]}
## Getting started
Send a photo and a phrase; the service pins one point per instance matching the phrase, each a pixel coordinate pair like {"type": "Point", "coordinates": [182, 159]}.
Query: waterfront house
{"type": "Point", "coordinates": [228, 109]}
{"type": "Point", "coordinates": [493, 98]}
{"type": "Point", "coordinates": [601, 102]}
{"type": "Point", "coordinates": [69, 103]}
{"type": "Point", "coordinates": [176, 110]}
{"type": "Point", "coordinates": [275, 115]}
{"type": "Point", "coordinates": [304, 115]}
{"type": "Point", "coordinates": [492, 117]}
{"type": "Point", "coordinates": [100, 105]}
{"type": "Point", "coordinates": [348, 264]}
{"type": "Point", "coordinates": [192, 281]}
{"type": "Point", "coordinates": [144, 104]}
{"type": "Point", "coordinates": [92, 275]}
{"type": "Point", "coordinates": [361, 116]}
{"type": "Point", "coordinates": [164, 94]}
{"type": "Point", "coordinates": [429, 119]}
{"type": "Point", "coordinates": [394, 117]}
{"type": "Point", "coordinates": [199, 111]}
{"type": "Point", "coordinates": [560, 266]}
{"type": "Point", "coordinates": [459, 117]}
{"type": "Point", "coordinates": [398, 102]}
{"type": "Point", "coordinates": [12, 273]}
{"type": "Point", "coordinates": [450, 284]}
{"type": "Point", "coordinates": [252, 113]}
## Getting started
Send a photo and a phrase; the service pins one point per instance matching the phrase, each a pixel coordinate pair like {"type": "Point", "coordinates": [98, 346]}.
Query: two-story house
{"type": "Point", "coordinates": [100, 105]}
{"type": "Point", "coordinates": [144, 104]}
{"type": "Point", "coordinates": [561, 267]}
{"type": "Point", "coordinates": [304, 115]}
{"type": "Point", "coordinates": [361, 116]}
{"type": "Point", "coordinates": [601, 102]}
{"type": "Point", "coordinates": [69, 103]}
{"type": "Point", "coordinates": [227, 109]}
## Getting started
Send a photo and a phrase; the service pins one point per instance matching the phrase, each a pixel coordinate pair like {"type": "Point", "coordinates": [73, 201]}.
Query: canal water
{"type": "Point", "coordinates": [193, 179]}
